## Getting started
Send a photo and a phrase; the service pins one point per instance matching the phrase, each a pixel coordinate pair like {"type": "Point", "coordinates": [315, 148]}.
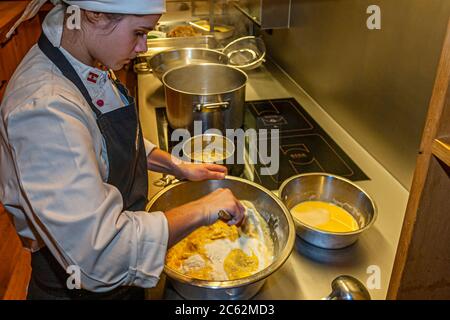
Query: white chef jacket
{"type": "Point", "coordinates": [54, 171]}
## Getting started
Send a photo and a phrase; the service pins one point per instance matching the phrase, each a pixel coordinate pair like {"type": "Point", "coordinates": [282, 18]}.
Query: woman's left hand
{"type": "Point", "coordinates": [201, 171]}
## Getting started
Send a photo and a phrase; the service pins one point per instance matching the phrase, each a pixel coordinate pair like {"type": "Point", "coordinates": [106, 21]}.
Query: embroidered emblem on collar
{"type": "Point", "coordinates": [92, 77]}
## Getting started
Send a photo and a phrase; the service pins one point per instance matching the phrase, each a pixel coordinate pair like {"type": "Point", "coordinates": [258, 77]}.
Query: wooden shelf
{"type": "Point", "coordinates": [441, 150]}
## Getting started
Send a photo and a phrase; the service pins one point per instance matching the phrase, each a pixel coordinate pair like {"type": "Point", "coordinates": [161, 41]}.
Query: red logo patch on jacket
{"type": "Point", "coordinates": [92, 77]}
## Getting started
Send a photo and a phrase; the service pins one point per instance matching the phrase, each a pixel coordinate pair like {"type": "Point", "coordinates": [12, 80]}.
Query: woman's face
{"type": "Point", "coordinates": [116, 43]}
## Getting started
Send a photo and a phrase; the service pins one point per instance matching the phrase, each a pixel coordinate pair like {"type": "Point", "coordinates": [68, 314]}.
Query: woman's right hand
{"type": "Point", "coordinates": [184, 219]}
{"type": "Point", "coordinates": [221, 199]}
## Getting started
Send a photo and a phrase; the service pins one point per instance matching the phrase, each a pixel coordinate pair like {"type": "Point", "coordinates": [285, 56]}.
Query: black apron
{"type": "Point", "coordinates": [127, 171]}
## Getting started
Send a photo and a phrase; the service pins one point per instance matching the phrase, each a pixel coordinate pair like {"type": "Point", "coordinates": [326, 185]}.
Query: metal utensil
{"type": "Point", "coordinates": [251, 225]}
{"type": "Point", "coordinates": [348, 288]}
{"type": "Point", "coordinates": [225, 216]}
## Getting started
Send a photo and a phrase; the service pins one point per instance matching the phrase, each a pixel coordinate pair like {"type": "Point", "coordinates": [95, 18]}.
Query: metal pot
{"type": "Point", "coordinates": [269, 206]}
{"type": "Point", "coordinates": [170, 59]}
{"type": "Point", "coordinates": [210, 93]}
{"type": "Point", "coordinates": [333, 189]}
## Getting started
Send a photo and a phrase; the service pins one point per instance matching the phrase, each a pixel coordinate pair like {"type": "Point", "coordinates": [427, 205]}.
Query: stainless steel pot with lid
{"type": "Point", "coordinates": [212, 94]}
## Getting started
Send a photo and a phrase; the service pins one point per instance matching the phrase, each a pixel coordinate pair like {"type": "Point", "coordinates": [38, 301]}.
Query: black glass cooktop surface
{"type": "Point", "coordinates": [303, 145]}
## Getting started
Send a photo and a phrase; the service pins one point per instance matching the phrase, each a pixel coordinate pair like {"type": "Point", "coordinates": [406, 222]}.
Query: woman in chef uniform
{"type": "Point", "coordinates": [73, 162]}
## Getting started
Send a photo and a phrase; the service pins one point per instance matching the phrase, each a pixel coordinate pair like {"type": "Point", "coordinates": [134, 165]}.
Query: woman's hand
{"type": "Point", "coordinates": [203, 212]}
{"type": "Point", "coordinates": [164, 162]}
{"type": "Point", "coordinates": [222, 199]}
{"type": "Point", "coordinates": [201, 171]}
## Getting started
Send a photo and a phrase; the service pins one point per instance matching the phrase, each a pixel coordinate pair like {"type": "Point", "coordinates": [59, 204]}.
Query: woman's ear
{"type": "Point", "coordinates": [97, 18]}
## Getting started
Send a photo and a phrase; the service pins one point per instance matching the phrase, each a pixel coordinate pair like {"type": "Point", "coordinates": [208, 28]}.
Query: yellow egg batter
{"type": "Point", "coordinates": [325, 216]}
{"type": "Point", "coordinates": [221, 252]}
{"type": "Point", "coordinates": [239, 265]}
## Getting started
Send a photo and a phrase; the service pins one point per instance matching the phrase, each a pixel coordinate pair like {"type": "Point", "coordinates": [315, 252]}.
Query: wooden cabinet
{"type": "Point", "coordinates": [422, 265]}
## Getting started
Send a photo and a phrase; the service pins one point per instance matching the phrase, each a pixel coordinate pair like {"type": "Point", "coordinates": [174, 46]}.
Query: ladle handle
{"type": "Point", "coordinates": [348, 288]}
{"type": "Point", "coordinates": [164, 181]}
{"type": "Point", "coordinates": [225, 216]}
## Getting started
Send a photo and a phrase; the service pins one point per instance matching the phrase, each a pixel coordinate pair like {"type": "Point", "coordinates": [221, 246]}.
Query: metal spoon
{"type": "Point", "coordinates": [348, 288]}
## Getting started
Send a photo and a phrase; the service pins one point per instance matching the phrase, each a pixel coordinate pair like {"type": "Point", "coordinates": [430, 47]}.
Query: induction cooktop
{"type": "Point", "coordinates": [303, 145]}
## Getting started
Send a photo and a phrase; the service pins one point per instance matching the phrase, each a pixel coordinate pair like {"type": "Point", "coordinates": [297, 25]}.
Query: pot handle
{"type": "Point", "coordinates": [142, 67]}
{"type": "Point", "coordinates": [212, 106]}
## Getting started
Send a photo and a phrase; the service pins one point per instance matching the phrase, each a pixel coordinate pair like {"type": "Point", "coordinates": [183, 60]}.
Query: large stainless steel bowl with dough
{"type": "Point", "coordinates": [332, 189]}
{"type": "Point", "coordinates": [268, 205]}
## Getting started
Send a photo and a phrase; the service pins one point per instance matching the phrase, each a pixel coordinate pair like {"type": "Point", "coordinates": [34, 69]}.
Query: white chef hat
{"type": "Point", "coordinates": [107, 6]}
{"type": "Point", "coordinates": [122, 6]}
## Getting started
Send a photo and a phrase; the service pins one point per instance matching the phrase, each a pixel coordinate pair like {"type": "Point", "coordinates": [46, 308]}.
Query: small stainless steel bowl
{"type": "Point", "coordinates": [333, 189]}
{"type": "Point", "coordinates": [212, 142]}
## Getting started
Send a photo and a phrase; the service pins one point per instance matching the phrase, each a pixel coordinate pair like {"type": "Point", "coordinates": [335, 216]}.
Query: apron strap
{"type": "Point", "coordinates": [57, 57]}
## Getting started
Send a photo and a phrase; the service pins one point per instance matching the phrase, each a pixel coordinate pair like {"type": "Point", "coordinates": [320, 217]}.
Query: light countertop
{"type": "Point", "coordinates": [308, 272]}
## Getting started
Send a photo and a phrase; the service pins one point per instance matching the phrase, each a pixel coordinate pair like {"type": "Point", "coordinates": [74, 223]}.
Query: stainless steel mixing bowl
{"type": "Point", "coordinates": [269, 206]}
{"type": "Point", "coordinates": [329, 188]}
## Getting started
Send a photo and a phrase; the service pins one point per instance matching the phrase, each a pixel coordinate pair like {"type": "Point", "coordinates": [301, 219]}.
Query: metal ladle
{"type": "Point", "coordinates": [348, 288]}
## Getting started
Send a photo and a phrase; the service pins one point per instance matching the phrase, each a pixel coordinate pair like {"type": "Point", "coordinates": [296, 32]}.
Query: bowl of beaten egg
{"type": "Point", "coordinates": [329, 211]}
